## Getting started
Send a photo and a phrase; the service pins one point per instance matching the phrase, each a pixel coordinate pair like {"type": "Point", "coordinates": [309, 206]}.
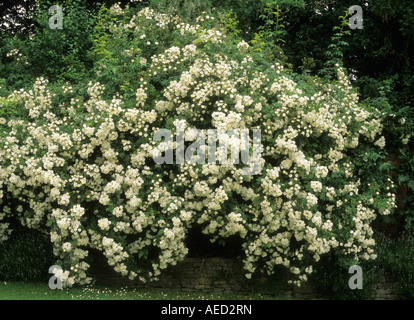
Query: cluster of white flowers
{"type": "Point", "coordinates": [116, 9]}
{"type": "Point", "coordinates": [91, 173]}
{"type": "Point", "coordinates": [20, 58]}
{"type": "Point", "coordinates": [243, 46]}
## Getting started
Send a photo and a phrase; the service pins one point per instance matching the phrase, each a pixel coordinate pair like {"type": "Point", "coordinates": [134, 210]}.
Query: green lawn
{"type": "Point", "coordinates": [41, 291]}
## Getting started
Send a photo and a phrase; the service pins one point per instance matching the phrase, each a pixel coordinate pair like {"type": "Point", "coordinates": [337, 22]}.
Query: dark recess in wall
{"type": "Point", "coordinates": [200, 246]}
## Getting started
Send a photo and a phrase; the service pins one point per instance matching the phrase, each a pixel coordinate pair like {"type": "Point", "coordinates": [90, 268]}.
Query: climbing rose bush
{"type": "Point", "coordinates": [81, 167]}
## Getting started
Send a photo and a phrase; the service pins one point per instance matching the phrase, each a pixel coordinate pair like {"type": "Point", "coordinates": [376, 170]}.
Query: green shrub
{"type": "Point", "coordinates": [55, 54]}
{"type": "Point", "coordinates": [25, 256]}
{"type": "Point", "coordinates": [332, 278]}
{"type": "Point", "coordinates": [397, 257]}
{"type": "Point", "coordinates": [85, 165]}
{"type": "Point", "coordinates": [394, 257]}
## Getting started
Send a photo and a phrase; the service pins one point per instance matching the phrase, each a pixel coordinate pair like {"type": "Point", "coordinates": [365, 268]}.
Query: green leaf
{"type": "Point", "coordinates": [403, 178]}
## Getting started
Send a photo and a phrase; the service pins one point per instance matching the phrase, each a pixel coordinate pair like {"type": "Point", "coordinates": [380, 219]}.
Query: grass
{"type": "Point", "coordinates": [41, 291]}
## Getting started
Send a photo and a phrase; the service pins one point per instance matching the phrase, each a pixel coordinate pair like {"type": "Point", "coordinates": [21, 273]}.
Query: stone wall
{"type": "Point", "coordinates": [387, 288]}
{"type": "Point", "coordinates": [201, 274]}
{"type": "Point", "coordinates": [225, 274]}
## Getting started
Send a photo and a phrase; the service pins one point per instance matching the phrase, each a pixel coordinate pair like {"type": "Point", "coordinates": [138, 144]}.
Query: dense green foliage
{"type": "Point", "coordinates": [25, 256]}
{"type": "Point", "coordinates": [394, 263]}
{"type": "Point", "coordinates": [396, 256]}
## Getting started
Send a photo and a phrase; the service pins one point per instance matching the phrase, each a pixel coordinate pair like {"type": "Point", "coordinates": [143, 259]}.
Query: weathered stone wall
{"type": "Point", "coordinates": [386, 288]}
{"type": "Point", "coordinates": [225, 274]}
{"type": "Point", "coordinates": [204, 274]}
